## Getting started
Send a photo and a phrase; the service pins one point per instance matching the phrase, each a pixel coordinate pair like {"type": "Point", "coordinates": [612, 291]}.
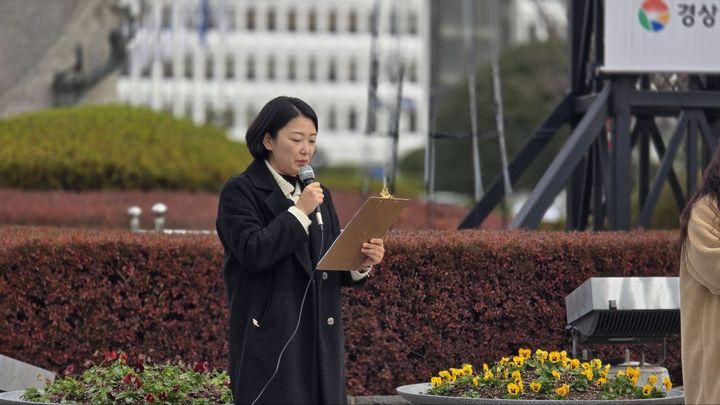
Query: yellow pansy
{"type": "Point", "coordinates": [652, 379]}
{"type": "Point", "coordinates": [476, 381]}
{"type": "Point", "coordinates": [565, 362]}
{"type": "Point", "coordinates": [524, 353]}
{"type": "Point", "coordinates": [596, 363]}
{"type": "Point", "coordinates": [456, 371]}
{"type": "Point", "coordinates": [485, 367]}
{"type": "Point", "coordinates": [620, 373]}
{"type": "Point", "coordinates": [601, 381]}
{"type": "Point", "coordinates": [574, 364]}
{"type": "Point", "coordinates": [605, 371]}
{"type": "Point", "coordinates": [436, 381]}
{"type": "Point", "coordinates": [666, 383]}
{"type": "Point", "coordinates": [647, 390]}
{"type": "Point", "coordinates": [633, 372]}
{"type": "Point", "coordinates": [444, 375]}
{"type": "Point", "coordinates": [519, 361]}
{"type": "Point", "coordinates": [556, 374]}
{"type": "Point", "coordinates": [468, 369]}
{"type": "Point", "coordinates": [554, 357]}
{"type": "Point", "coordinates": [563, 390]}
{"type": "Point", "coordinates": [513, 389]}
{"type": "Point", "coordinates": [587, 373]}
{"type": "Point", "coordinates": [535, 386]}
{"type": "Point", "coordinates": [504, 361]}
{"type": "Point", "coordinates": [488, 375]}
{"type": "Point", "coordinates": [516, 375]}
{"type": "Point", "coordinates": [563, 355]}
{"type": "Point", "coordinates": [541, 356]}
{"type": "Point", "coordinates": [634, 379]}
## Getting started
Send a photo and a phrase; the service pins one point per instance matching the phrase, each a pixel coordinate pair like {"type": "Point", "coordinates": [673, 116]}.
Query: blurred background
{"type": "Point", "coordinates": [107, 104]}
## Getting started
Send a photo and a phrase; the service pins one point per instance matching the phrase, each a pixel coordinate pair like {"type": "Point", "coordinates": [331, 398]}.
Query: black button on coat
{"type": "Point", "coordinates": [268, 261]}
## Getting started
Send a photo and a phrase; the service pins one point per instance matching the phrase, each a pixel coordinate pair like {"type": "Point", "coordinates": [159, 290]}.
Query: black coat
{"type": "Point", "coordinates": [268, 262]}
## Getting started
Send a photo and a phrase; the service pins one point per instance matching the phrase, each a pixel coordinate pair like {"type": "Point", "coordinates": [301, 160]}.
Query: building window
{"type": "Point", "coordinates": [250, 68]}
{"type": "Point", "coordinates": [332, 21]}
{"type": "Point", "coordinates": [188, 66]}
{"type": "Point", "coordinates": [146, 69]}
{"type": "Point", "coordinates": [166, 17]}
{"type": "Point", "coordinates": [352, 119]}
{"type": "Point", "coordinates": [250, 114]}
{"type": "Point", "coordinates": [271, 68]}
{"type": "Point", "coordinates": [210, 117]}
{"type": "Point", "coordinates": [228, 17]}
{"type": "Point", "coordinates": [312, 66]}
{"type": "Point", "coordinates": [312, 21]}
{"type": "Point", "coordinates": [412, 72]}
{"type": "Point", "coordinates": [292, 74]}
{"type": "Point", "coordinates": [209, 67]}
{"type": "Point", "coordinates": [412, 121]}
{"type": "Point", "coordinates": [167, 68]}
{"type": "Point", "coordinates": [412, 23]}
{"type": "Point", "coordinates": [250, 19]}
{"type": "Point", "coordinates": [352, 23]}
{"type": "Point", "coordinates": [332, 70]}
{"type": "Point", "coordinates": [292, 25]}
{"type": "Point", "coordinates": [271, 20]}
{"type": "Point", "coordinates": [229, 67]}
{"type": "Point", "coordinates": [393, 21]}
{"type": "Point", "coordinates": [352, 70]}
{"type": "Point", "coordinates": [332, 119]}
{"type": "Point", "coordinates": [228, 118]}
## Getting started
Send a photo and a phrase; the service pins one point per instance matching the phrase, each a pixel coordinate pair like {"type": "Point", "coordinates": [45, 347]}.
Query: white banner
{"type": "Point", "coordinates": [662, 36]}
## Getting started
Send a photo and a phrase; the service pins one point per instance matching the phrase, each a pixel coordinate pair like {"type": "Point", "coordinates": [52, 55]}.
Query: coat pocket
{"type": "Point", "coordinates": [261, 317]}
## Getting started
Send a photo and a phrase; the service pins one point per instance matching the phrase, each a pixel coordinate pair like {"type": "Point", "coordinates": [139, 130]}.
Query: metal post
{"type": "Point", "coordinates": [620, 156]}
{"type": "Point", "coordinates": [468, 13]}
{"type": "Point", "coordinates": [372, 94]}
{"type": "Point", "coordinates": [391, 173]}
{"type": "Point", "coordinates": [134, 213]}
{"type": "Point", "coordinates": [159, 211]}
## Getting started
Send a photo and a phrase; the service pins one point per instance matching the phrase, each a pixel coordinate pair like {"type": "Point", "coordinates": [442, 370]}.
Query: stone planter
{"type": "Point", "coordinates": [13, 398]}
{"type": "Point", "coordinates": [416, 394]}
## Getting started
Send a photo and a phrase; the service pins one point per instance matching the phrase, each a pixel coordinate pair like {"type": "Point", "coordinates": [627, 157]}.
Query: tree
{"type": "Point", "coordinates": [534, 79]}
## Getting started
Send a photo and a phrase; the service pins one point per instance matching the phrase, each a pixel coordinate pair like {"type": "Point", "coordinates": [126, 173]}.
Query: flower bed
{"type": "Point", "coordinates": [546, 376]}
{"type": "Point", "coordinates": [121, 380]}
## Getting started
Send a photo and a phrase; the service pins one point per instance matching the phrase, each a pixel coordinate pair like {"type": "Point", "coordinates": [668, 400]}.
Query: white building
{"type": "Point", "coordinates": [219, 61]}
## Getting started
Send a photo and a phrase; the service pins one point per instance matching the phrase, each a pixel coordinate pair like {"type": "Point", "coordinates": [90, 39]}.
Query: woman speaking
{"type": "Point", "coordinates": [286, 339]}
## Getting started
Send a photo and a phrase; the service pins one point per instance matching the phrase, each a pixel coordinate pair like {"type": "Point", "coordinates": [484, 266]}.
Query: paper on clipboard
{"type": "Point", "coordinates": [372, 220]}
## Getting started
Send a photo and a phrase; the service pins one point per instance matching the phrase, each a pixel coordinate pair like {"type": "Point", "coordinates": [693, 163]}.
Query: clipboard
{"type": "Point", "coordinates": [372, 220]}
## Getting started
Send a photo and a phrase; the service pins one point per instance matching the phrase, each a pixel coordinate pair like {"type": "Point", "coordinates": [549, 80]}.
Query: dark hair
{"type": "Point", "coordinates": [273, 116]}
{"type": "Point", "coordinates": [710, 186]}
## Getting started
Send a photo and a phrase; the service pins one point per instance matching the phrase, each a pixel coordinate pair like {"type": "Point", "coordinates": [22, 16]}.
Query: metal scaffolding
{"type": "Point", "coordinates": [609, 116]}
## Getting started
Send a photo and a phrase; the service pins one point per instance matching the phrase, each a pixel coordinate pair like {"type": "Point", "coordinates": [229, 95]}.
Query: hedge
{"type": "Point", "coordinates": [438, 299]}
{"type": "Point", "coordinates": [114, 147]}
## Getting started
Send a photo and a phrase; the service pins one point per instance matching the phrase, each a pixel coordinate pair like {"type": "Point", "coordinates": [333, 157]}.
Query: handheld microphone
{"type": "Point", "coordinates": [307, 176]}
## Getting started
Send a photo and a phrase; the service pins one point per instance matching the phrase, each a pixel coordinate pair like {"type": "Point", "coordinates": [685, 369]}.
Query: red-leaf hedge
{"type": "Point", "coordinates": [438, 299]}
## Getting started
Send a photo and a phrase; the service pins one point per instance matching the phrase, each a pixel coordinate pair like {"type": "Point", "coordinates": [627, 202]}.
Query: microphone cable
{"type": "Point", "coordinates": [297, 325]}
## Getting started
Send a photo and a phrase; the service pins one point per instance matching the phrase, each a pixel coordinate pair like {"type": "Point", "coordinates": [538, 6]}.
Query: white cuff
{"type": "Point", "coordinates": [304, 219]}
{"type": "Point", "coordinates": [360, 273]}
